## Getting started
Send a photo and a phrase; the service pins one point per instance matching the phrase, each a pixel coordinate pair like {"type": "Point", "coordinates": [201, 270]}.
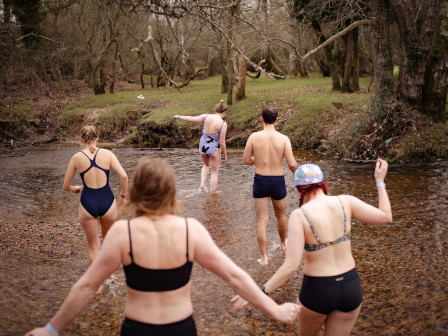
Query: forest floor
{"type": "Point", "coordinates": [310, 113]}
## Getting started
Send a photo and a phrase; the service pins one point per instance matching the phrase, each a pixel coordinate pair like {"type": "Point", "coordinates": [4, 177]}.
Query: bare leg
{"type": "Point", "coordinates": [261, 209]}
{"type": "Point", "coordinates": [205, 169]}
{"type": "Point", "coordinates": [215, 162]}
{"type": "Point", "coordinates": [341, 324]}
{"type": "Point", "coordinates": [90, 226]}
{"type": "Point", "coordinates": [108, 219]}
{"type": "Point", "coordinates": [310, 322]}
{"type": "Point", "coordinates": [282, 222]}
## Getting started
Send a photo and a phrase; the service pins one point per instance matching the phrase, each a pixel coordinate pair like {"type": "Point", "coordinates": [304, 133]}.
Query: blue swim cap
{"type": "Point", "coordinates": [307, 174]}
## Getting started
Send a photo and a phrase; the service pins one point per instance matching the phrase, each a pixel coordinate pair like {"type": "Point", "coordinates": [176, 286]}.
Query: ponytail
{"type": "Point", "coordinates": [221, 107]}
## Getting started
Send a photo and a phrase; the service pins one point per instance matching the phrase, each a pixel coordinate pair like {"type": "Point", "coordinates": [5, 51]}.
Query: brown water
{"type": "Point", "coordinates": [403, 266]}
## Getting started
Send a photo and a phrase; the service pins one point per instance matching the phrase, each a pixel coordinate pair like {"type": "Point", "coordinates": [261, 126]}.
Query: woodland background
{"type": "Point", "coordinates": [55, 52]}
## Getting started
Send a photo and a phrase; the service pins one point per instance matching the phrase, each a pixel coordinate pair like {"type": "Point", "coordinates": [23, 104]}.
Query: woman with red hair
{"type": "Point", "coordinates": [331, 289]}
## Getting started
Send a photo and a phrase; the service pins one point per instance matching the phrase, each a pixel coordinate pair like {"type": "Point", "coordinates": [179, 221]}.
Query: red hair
{"type": "Point", "coordinates": [304, 189]}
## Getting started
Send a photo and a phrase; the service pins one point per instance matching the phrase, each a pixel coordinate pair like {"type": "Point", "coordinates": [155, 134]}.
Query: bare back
{"type": "Point", "coordinates": [327, 218]}
{"type": "Point", "coordinates": [158, 244]}
{"type": "Point", "coordinates": [212, 124]}
{"type": "Point", "coordinates": [269, 147]}
{"type": "Point", "coordinates": [94, 178]}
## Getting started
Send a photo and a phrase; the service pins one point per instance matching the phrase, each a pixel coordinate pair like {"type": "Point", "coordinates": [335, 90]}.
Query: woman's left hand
{"type": "Point", "coordinates": [239, 302]}
{"type": "Point", "coordinates": [38, 332]}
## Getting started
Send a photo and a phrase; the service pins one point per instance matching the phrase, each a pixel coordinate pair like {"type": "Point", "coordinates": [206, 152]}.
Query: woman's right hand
{"type": "Point", "coordinates": [176, 117]}
{"type": "Point", "coordinates": [76, 189]}
{"type": "Point", "coordinates": [380, 170]}
{"type": "Point", "coordinates": [287, 312]}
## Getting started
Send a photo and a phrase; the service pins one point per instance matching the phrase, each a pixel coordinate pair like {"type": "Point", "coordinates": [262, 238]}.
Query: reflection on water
{"type": "Point", "coordinates": [403, 265]}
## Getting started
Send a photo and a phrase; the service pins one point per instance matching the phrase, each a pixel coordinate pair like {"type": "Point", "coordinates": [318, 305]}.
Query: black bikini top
{"type": "Point", "coordinates": [156, 280]}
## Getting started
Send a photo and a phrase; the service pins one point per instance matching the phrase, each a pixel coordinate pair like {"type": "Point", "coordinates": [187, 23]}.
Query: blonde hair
{"type": "Point", "coordinates": [153, 188]}
{"type": "Point", "coordinates": [88, 136]}
{"type": "Point", "coordinates": [221, 107]}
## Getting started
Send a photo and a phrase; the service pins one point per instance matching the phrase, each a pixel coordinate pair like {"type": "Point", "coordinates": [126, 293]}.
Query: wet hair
{"type": "Point", "coordinates": [153, 188]}
{"type": "Point", "coordinates": [88, 135]}
{"type": "Point", "coordinates": [304, 189]}
{"type": "Point", "coordinates": [269, 114]}
{"type": "Point", "coordinates": [221, 107]}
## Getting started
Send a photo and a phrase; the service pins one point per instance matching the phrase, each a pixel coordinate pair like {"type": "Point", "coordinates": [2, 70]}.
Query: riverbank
{"type": "Point", "coordinates": [337, 124]}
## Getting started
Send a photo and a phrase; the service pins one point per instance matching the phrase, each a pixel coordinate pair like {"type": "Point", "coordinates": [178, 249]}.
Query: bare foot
{"type": "Point", "coordinates": [203, 189]}
{"type": "Point", "coordinates": [283, 245]}
{"type": "Point", "coordinates": [215, 192]}
{"type": "Point", "coordinates": [263, 261]}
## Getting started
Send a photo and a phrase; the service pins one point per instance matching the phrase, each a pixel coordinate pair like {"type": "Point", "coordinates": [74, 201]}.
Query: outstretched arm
{"type": "Point", "coordinates": [209, 256]}
{"type": "Point", "coordinates": [293, 256]}
{"type": "Point", "coordinates": [107, 261]}
{"type": "Point", "coordinates": [196, 119]}
{"type": "Point", "coordinates": [368, 213]}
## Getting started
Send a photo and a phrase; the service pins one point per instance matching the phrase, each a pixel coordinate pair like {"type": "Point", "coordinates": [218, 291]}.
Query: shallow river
{"type": "Point", "coordinates": [403, 266]}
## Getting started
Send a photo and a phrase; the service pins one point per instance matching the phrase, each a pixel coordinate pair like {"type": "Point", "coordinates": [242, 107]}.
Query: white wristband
{"type": "Point", "coordinates": [381, 185]}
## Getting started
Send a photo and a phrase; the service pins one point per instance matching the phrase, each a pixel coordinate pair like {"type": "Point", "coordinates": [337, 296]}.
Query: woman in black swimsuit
{"type": "Point", "coordinates": [157, 249]}
{"type": "Point", "coordinates": [331, 289]}
{"type": "Point", "coordinates": [97, 203]}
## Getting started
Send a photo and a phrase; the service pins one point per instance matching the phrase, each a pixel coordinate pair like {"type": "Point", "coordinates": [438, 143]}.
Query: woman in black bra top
{"type": "Point", "coordinates": [157, 250]}
{"type": "Point", "coordinates": [331, 288]}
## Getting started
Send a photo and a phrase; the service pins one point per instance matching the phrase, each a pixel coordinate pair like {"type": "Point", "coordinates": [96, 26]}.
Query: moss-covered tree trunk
{"type": "Point", "coordinates": [349, 57]}
{"type": "Point", "coordinates": [382, 57]}
{"type": "Point", "coordinates": [355, 75]}
{"type": "Point", "coordinates": [417, 26]}
{"type": "Point", "coordinates": [331, 62]}
{"type": "Point", "coordinates": [435, 89]}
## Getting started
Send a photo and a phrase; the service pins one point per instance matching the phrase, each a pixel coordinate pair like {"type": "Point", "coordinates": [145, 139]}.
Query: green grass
{"type": "Point", "coordinates": [305, 100]}
{"type": "Point", "coordinates": [14, 117]}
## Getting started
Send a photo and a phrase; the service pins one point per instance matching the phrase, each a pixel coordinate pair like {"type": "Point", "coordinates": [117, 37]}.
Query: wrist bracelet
{"type": "Point", "coordinates": [381, 185]}
{"type": "Point", "coordinates": [263, 289]}
{"type": "Point", "coordinates": [51, 330]}
{"type": "Point", "coordinates": [124, 196]}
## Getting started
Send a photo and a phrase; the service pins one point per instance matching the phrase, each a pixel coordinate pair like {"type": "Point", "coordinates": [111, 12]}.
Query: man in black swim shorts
{"type": "Point", "coordinates": [266, 149]}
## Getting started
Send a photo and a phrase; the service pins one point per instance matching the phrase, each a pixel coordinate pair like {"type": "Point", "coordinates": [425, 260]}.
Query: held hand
{"type": "Point", "coordinates": [176, 117]}
{"type": "Point", "coordinates": [239, 302]}
{"type": "Point", "coordinates": [380, 170]}
{"type": "Point", "coordinates": [225, 158]}
{"type": "Point", "coordinates": [287, 312]}
{"type": "Point", "coordinates": [38, 332]}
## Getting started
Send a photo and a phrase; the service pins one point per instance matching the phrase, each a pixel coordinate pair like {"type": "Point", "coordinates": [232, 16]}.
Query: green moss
{"type": "Point", "coordinates": [14, 118]}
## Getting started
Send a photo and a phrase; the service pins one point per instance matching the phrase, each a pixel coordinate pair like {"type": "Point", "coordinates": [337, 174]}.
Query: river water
{"type": "Point", "coordinates": [403, 266]}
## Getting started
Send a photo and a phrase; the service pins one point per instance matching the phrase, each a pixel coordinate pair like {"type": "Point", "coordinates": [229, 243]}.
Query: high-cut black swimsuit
{"type": "Point", "coordinates": [96, 201]}
{"type": "Point", "coordinates": [157, 280]}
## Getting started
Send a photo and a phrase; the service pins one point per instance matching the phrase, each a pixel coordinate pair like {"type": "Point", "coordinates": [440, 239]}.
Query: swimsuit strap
{"type": "Point", "coordinates": [345, 216]}
{"type": "Point", "coordinates": [186, 224]}
{"type": "Point", "coordinates": [221, 126]}
{"type": "Point", "coordinates": [203, 125]}
{"type": "Point", "coordinates": [94, 157]}
{"type": "Point", "coordinates": [130, 241]}
{"type": "Point", "coordinates": [311, 225]}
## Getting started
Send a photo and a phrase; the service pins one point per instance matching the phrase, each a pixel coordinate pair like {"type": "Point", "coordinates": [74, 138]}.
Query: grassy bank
{"type": "Point", "coordinates": [306, 108]}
